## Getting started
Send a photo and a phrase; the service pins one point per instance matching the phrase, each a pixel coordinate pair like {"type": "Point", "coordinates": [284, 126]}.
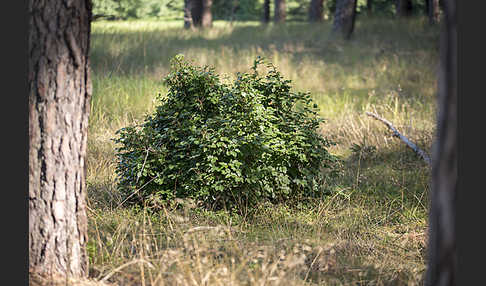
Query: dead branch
{"type": "Point", "coordinates": [409, 143]}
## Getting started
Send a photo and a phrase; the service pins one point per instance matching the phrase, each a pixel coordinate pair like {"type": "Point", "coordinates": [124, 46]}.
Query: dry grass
{"type": "Point", "coordinates": [334, 243]}
{"type": "Point", "coordinates": [371, 227]}
{"type": "Point", "coordinates": [35, 279]}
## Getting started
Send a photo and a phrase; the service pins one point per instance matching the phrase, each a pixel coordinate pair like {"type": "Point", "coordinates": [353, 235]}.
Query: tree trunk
{"type": "Point", "coordinates": [188, 24]}
{"type": "Point", "coordinates": [433, 11]}
{"type": "Point", "coordinates": [369, 7]}
{"type": "Point", "coordinates": [266, 11]}
{"type": "Point", "coordinates": [442, 259]}
{"type": "Point", "coordinates": [201, 14]}
{"type": "Point", "coordinates": [404, 7]}
{"type": "Point", "coordinates": [315, 10]}
{"type": "Point", "coordinates": [344, 17]}
{"type": "Point", "coordinates": [196, 12]}
{"type": "Point", "coordinates": [59, 104]}
{"type": "Point", "coordinates": [280, 11]}
{"type": "Point", "coordinates": [234, 6]}
{"type": "Point", "coordinates": [207, 17]}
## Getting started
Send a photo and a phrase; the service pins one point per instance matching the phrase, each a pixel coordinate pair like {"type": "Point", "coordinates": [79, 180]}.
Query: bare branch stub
{"type": "Point", "coordinates": [409, 143]}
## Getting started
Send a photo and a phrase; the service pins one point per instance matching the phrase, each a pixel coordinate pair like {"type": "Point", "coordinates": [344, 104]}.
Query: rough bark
{"type": "Point", "coordinates": [442, 259]}
{"type": "Point", "coordinates": [315, 10]}
{"type": "Point", "coordinates": [266, 11]}
{"type": "Point", "coordinates": [59, 103]}
{"type": "Point", "coordinates": [188, 24]}
{"type": "Point", "coordinates": [344, 18]}
{"type": "Point", "coordinates": [280, 11]}
{"type": "Point", "coordinates": [433, 11]}
{"type": "Point", "coordinates": [404, 7]}
{"type": "Point", "coordinates": [207, 16]}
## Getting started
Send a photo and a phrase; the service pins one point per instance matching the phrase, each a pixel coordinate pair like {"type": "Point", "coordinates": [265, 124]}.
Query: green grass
{"type": "Point", "coordinates": [371, 227]}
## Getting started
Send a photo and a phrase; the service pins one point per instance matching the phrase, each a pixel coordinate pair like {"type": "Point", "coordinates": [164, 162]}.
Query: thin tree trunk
{"type": "Point", "coordinates": [344, 18]}
{"type": "Point", "coordinates": [59, 104]}
{"type": "Point", "coordinates": [404, 7]}
{"type": "Point", "coordinates": [315, 10]}
{"type": "Point", "coordinates": [434, 11]}
{"type": "Point", "coordinates": [369, 7]}
{"type": "Point", "coordinates": [442, 259]}
{"type": "Point", "coordinates": [266, 11]}
{"type": "Point", "coordinates": [234, 6]}
{"type": "Point", "coordinates": [207, 16]}
{"type": "Point", "coordinates": [188, 24]}
{"type": "Point", "coordinates": [196, 12]}
{"type": "Point", "coordinates": [280, 11]}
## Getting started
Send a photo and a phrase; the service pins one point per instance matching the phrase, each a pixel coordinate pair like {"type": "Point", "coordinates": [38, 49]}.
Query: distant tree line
{"type": "Point", "coordinates": [264, 10]}
{"type": "Point", "coordinates": [200, 13]}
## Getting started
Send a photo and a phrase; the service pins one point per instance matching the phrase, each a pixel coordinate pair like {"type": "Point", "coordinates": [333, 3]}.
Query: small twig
{"type": "Point", "coordinates": [410, 144]}
{"type": "Point", "coordinates": [143, 166]}
{"type": "Point", "coordinates": [136, 191]}
{"type": "Point", "coordinates": [125, 265]}
{"type": "Point", "coordinates": [312, 264]}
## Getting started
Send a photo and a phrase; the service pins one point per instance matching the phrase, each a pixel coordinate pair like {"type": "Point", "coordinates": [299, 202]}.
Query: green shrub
{"type": "Point", "coordinates": [224, 144]}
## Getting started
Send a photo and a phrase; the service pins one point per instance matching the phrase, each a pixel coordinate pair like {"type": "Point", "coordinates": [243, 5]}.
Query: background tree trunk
{"type": "Point", "coordinates": [188, 24]}
{"type": "Point", "coordinates": [207, 16]}
{"type": "Point", "coordinates": [344, 17]}
{"type": "Point", "coordinates": [442, 260]}
{"type": "Point", "coordinates": [280, 11]}
{"type": "Point", "coordinates": [234, 6]}
{"type": "Point", "coordinates": [369, 7]}
{"type": "Point", "coordinates": [404, 7]}
{"type": "Point", "coordinates": [433, 11]}
{"type": "Point", "coordinates": [200, 11]}
{"type": "Point", "coordinates": [315, 10]}
{"type": "Point", "coordinates": [59, 103]}
{"type": "Point", "coordinates": [266, 11]}
{"type": "Point", "coordinates": [196, 12]}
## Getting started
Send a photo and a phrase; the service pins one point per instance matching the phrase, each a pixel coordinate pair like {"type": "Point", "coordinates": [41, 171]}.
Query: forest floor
{"type": "Point", "coordinates": [371, 227]}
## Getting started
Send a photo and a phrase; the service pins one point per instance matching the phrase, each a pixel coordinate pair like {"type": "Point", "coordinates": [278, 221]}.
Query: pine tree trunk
{"type": "Point", "coordinates": [442, 259]}
{"type": "Point", "coordinates": [369, 7]}
{"type": "Point", "coordinates": [315, 10]}
{"type": "Point", "coordinates": [404, 7]}
{"type": "Point", "coordinates": [344, 17]}
{"type": "Point", "coordinates": [433, 11]}
{"type": "Point", "coordinates": [280, 11]}
{"type": "Point", "coordinates": [196, 12]}
{"type": "Point", "coordinates": [59, 104]}
{"type": "Point", "coordinates": [266, 11]}
{"type": "Point", "coordinates": [207, 17]}
{"type": "Point", "coordinates": [188, 24]}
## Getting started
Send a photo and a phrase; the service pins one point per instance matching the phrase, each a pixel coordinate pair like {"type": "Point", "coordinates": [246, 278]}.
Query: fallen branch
{"type": "Point", "coordinates": [410, 144]}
